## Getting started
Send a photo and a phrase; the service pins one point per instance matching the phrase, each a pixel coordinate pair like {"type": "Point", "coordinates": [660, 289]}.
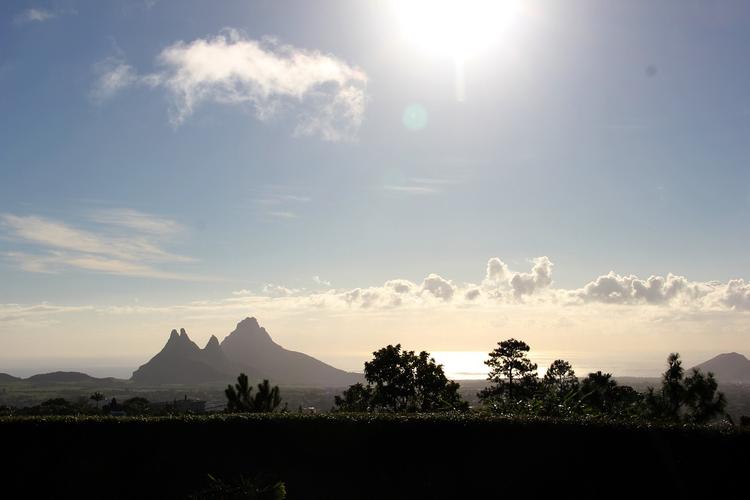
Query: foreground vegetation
{"type": "Point", "coordinates": [368, 455]}
{"type": "Point", "coordinates": [403, 381]}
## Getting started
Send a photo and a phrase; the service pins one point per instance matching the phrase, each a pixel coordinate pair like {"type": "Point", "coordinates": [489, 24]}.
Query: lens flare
{"type": "Point", "coordinates": [415, 117]}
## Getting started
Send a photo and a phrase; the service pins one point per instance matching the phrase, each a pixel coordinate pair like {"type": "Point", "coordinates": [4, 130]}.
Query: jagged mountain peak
{"type": "Point", "coordinates": [249, 349]}
{"type": "Point", "coordinates": [249, 320]}
{"type": "Point", "coordinates": [249, 328]}
{"type": "Point", "coordinates": [212, 344]}
{"type": "Point", "coordinates": [250, 345]}
{"type": "Point", "coordinates": [182, 361]}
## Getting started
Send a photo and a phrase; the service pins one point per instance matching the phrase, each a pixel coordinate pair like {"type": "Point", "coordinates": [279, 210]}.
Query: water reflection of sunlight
{"type": "Point", "coordinates": [466, 365]}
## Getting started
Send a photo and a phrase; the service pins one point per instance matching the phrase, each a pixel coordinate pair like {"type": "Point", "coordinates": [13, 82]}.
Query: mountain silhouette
{"type": "Point", "coordinates": [728, 367]}
{"type": "Point", "coordinates": [68, 378]}
{"type": "Point", "coordinates": [249, 349]}
{"type": "Point", "coordinates": [181, 361]}
{"type": "Point", "coordinates": [250, 345]}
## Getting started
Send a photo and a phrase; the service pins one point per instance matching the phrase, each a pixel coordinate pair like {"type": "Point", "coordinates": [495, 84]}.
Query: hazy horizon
{"type": "Point", "coordinates": [444, 175]}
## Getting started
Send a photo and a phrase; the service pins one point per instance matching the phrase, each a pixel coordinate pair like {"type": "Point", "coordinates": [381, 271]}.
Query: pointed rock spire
{"type": "Point", "coordinates": [213, 343]}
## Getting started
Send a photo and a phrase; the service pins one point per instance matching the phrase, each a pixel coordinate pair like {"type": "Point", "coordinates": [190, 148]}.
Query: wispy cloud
{"type": "Point", "coordinates": [138, 221]}
{"type": "Point", "coordinates": [112, 76]}
{"type": "Point", "coordinates": [277, 201]}
{"type": "Point", "coordinates": [34, 15]}
{"type": "Point", "coordinates": [327, 94]}
{"type": "Point", "coordinates": [124, 242]}
{"type": "Point", "coordinates": [412, 189]}
{"type": "Point", "coordinates": [282, 214]}
{"type": "Point", "coordinates": [420, 186]}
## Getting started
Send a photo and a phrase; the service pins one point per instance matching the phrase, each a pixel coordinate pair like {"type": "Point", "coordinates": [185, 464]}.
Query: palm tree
{"type": "Point", "coordinates": [97, 396]}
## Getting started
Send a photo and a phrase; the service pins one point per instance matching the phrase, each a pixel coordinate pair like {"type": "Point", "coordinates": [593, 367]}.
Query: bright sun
{"type": "Point", "coordinates": [457, 28]}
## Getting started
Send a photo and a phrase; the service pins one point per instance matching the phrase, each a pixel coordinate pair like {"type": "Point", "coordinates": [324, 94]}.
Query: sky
{"type": "Point", "coordinates": [441, 174]}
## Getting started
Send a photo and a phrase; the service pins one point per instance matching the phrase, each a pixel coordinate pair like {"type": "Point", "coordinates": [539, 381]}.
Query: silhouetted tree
{"type": "Point", "coordinates": [98, 397]}
{"type": "Point", "coordinates": [356, 398]}
{"type": "Point", "coordinates": [240, 399]}
{"type": "Point", "coordinates": [402, 381]}
{"type": "Point", "coordinates": [267, 399]}
{"type": "Point", "coordinates": [513, 374]}
{"type": "Point", "coordinates": [672, 390]}
{"type": "Point", "coordinates": [560, 377]}
{"type": "Point", "coordinates": [136, 406]}
{"type": "Point", "coordinates": [599, 391]}
{"type": "Point", "coordinates": [54, 406]}
{"type": "Point", "coordinates": [701, 399]}
{"type": "Point", "coordinates": [693, 398]}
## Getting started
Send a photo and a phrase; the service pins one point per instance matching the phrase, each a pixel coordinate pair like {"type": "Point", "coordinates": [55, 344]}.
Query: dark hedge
{"type": "Point", "coordinates": [370, 456]}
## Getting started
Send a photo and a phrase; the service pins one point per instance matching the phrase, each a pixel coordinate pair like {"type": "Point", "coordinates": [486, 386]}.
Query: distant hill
{"type": "Point", "coordinates": [728, 367]}
{"type": "Point", "coordinates": [250, 345]}
{"type": "Point", "coordinates": [249, 349]}
{"type": "Point", "coordinates": [66, 378]}
{"type": "Point", "coordinates": [5, 378]}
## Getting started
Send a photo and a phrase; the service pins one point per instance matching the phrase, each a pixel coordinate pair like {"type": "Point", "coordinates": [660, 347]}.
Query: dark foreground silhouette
{"type": "Point", "coordinates": [371, 456]}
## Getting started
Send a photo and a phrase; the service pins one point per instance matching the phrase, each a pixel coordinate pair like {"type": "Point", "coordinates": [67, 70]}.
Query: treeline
{"type": "Point", "coordinates": [136, 406]}
{"type": "Point", "coordinates": [403, 381]}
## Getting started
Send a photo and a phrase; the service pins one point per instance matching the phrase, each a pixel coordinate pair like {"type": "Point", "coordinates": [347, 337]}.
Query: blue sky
{"type": "Point", "coordinates": [603, 135]}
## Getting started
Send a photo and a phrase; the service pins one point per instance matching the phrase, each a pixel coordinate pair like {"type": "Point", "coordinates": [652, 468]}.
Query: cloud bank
{"type": "Point", "coordinates": [502, 286]}
{"type": "Point", "coordinates": [609, 314]}
{"type": "Point", "coordinates": [326, 95]}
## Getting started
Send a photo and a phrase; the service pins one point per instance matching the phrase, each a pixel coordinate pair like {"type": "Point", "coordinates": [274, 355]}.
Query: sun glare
{"type": "Point", "coordinates": [457, 28]}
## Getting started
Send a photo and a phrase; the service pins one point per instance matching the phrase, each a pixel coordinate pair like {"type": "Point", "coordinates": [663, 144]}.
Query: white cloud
{"type": "Point", "coordinates": [539, 277]}
{"type": "Point", "coordinates": [126, 243]}
{"type": "Point", "coordinates": [502, 287]}
{"type": "Point", "coordinates": [319, 281]}
{"type": "Point", "coordinates": [615, 289]}
{"type": "Point", "coordinates": [735, 295]}
{"type": "Point", "coordinates": [278, 291]}
{"type": "Point", "coordinates": [326, 94]}
{"type": "Point", "coordinates": [497, 271]}
{"type": "Point", "coordinates": [438, 287]}
{"type": "Point", "coordinates": [34, 15]}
